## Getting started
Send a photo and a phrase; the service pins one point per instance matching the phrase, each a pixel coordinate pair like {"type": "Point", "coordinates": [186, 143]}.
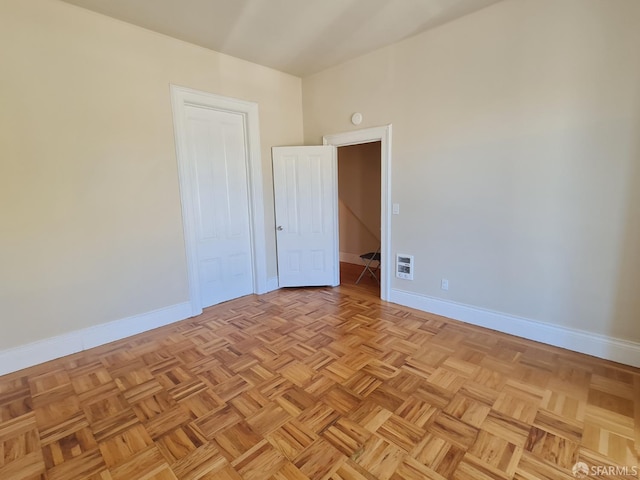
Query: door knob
{"type": "Point", "coordinates": [279, 228]}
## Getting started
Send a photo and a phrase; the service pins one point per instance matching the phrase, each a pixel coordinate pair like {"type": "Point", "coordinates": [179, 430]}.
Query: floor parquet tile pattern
{"type": "Point", "coordinates": [319, 384]}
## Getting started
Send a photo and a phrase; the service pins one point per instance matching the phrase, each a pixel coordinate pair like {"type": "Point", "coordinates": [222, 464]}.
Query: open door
{"type": "Point", "coordinates": [305, 191]}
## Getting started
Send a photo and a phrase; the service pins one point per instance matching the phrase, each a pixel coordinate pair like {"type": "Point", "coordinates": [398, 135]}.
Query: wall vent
{"type": "Point", "coordinates": [404, 266]}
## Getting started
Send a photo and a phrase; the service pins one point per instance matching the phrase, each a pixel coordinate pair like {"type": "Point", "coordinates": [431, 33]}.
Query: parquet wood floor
{"type": "Point", "coordinates": [319, 384]}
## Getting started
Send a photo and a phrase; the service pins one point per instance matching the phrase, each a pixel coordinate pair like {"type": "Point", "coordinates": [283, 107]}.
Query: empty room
{"type": "Point", "coordinates": [319, 239]}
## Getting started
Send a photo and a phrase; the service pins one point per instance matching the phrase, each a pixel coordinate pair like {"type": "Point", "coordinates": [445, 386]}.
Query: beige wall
{"type": "Point", "coordinates": [516, 157]}
{"type": "Point", "coordinates": [91, 227]}
{"type": "Point", "coordinates": [359, 197]}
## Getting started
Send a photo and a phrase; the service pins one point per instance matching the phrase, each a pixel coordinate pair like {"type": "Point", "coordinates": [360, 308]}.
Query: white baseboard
{"type": "Point", "coordinates": [351, 258]}
{"type": "Point", "coordinates": [272, 284]}
{"type": "Point", "coordinates": [41, 351]}
{"type": "Point", "coordinates": [601, 346]}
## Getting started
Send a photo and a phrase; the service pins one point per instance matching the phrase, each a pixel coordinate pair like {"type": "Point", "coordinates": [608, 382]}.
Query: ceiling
{"type": "Point", "coordinates": [300, 37]}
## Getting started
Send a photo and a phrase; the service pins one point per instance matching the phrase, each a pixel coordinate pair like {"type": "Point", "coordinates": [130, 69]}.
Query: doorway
{"type": "Point", "coordinates": [359, 180]}
{"type": "Point", "coordinates": [382, 136]}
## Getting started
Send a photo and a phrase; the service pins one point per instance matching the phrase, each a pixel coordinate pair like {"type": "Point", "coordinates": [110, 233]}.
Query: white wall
{"type": "Point", "coordinates": [91, 227]}
{"type": "Point", "coordinates": [516, 157]}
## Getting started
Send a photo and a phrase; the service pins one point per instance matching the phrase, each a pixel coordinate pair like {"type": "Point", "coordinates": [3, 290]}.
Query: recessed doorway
{"type": "Point", "coordinates": [359, 180]}
{"type": "Point", "coordinates": [382, 137]}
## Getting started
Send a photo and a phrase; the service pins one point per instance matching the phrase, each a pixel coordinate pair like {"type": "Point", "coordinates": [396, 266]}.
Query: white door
{"type": "Point", "coordinates": [217, 162]}
{"type": "Point", "coordinates": [305, 190]}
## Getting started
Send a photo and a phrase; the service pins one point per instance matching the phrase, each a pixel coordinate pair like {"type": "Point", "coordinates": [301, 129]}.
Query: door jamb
{"type": "Point", "coordinates": [383, 135]}
{"type": "Point", "coordinates": [180, 98]}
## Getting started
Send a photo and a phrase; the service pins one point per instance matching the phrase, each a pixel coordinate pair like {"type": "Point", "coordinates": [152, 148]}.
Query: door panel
{"type": "Point", "coordinates": [305, 191]}
{"type": "Point", "coordinates": [217, 153]}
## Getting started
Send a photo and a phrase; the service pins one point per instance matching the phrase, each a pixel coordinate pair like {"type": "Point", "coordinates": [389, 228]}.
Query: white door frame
{"type": "Point", "coordinates": [382, 135]}
{"type": "Point", "coordinates": [182, 97]}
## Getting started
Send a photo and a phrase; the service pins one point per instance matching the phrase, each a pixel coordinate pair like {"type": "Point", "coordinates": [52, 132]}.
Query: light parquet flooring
{"type": "Point", "coordinates": [318, 384]}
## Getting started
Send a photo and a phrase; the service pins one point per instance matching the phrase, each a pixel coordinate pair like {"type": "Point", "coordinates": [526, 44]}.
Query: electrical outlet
{"type": "Point", "coordinates": [444, 284]}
